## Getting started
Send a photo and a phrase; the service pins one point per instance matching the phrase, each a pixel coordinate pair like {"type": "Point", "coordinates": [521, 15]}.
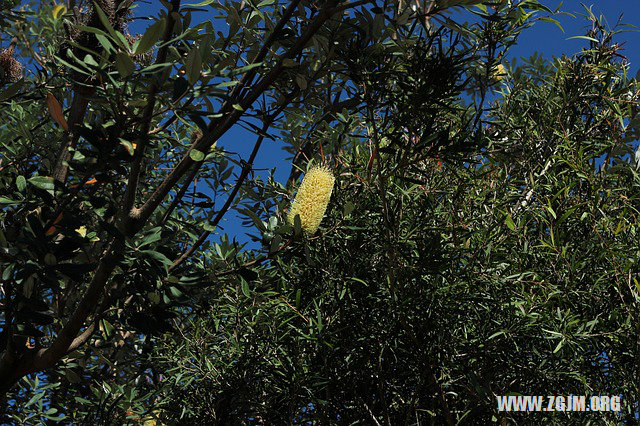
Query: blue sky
{"type": "Point", "coordinates": [544, 38]}
{"type": "Point", "coordinates": [547, 39]}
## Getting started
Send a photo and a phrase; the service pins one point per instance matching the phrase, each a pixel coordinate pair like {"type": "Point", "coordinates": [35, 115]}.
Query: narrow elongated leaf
{"type": "Point", "coordinates": [193, 64]}
{"type": "Point", "coordinates": [151, 37]}
{"type": "Point", "coordinates": [105, 21]}
{"type": "Point", "coordinates": [11, 90]}
{"type": "Point", "coordinates": [55, 110]}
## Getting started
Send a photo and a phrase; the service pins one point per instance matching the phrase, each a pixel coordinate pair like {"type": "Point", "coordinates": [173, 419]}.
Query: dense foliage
{"type": "Point", "coordinates": [480, 239]}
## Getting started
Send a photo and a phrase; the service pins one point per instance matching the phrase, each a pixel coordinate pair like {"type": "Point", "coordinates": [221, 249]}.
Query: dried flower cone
{"type": "Point", "coordinates": [10, 68]}
{"type": "Point", "coordinates": [312, 198]}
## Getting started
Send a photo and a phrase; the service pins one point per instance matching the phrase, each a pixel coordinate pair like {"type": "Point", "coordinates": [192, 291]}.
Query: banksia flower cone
{"type": "Point", "coordinates": [10, 69]}
{"type": "Point", "coordinates": [312, 198]}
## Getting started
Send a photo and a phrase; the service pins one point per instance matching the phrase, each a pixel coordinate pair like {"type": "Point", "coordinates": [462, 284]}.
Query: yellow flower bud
{"type": "Point", "coordinates": [58, 11]}
{"type": "Point", "coordinates": [312, 198]}
{"type": "Point", "coordinates": [498, 73]}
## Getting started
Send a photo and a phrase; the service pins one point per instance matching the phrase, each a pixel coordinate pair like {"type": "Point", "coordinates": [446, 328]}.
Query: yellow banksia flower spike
{"type": "Point", "coordinates": [312, 198]}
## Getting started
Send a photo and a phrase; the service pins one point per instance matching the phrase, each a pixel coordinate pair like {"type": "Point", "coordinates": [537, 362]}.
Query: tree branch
{"type": "Point", "coordinates": [248, 166]}
{"type": "Point", "coordinates": [219, 127]}
{"type": "Point", "coordinates": [147, 115]}
{"type": "Point", "coordinates": [68, 337]}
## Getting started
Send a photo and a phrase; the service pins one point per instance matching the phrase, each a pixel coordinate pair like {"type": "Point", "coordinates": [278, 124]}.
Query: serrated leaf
{"type": "Point", "coordinates": [151, 37]}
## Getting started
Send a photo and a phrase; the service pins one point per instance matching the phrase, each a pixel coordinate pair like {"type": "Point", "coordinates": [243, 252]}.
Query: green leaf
{"type": "Point", "coordinates": [21, 183]}
{"type": "Point", "coordinates": [196, 155]}
{"type": "Point", "coordinates": [104, 41]}
{"type": "Point", "coordinates": [11, 90]}
{"type": "Point", "coordinates": [166, 262]}
{"type": "Point", "coordinates": [559, 346]}
{"type": "Point", "coordinates": [175, 292]}
{"type": "Point", "coordinates": [585, 38]}
{"type": "Point", "coordinates": [124, 64]}
{"type": "Point", "coordinates": [193, 65]}
{"type": "Point", "coordinates": [35, 398]}
{"type": "Point", "coordinates": [88, 59]}
{"type": "Point", "coordinates": [128, 145]}
{"type": "Point", "coordinates": [42, 182]}
{"type": "Point", "coordinates": [154, 236]}
{"type": "Point", "coordinates": [297, 226]}
{"type": "Point", "coordinates": [4, 200]}
{"type": "Point", "coordinates": [50, 259]}
{"type": "Point", "coordinates": [301, 81]}
{"type": "Point", "coordinates": [202, 3]}
{"type": "Point", "coordinates": [509, 222]}
{"type": "Point", "coordinates": [289, 63]}
{"type": "Point", "coordinates": [553, 21]}
{"type": "Point", "coordinates": [245, 68]}
{"type": "Point", "coordinates": [348, 208]}
{"type": "Point", "coordinates": [254, 218]}
{"type": "Point", "coordinates": [245, 288]}
{"type": "Point", "coordinates": [151, 37]}
{"type": "Point", "coordinates": [105, 21]}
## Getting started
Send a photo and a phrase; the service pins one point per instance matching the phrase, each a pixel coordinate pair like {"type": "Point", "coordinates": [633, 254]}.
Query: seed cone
{"type": "Point", "coordinates": [10, 68]}
{"type": "Point", "coordinates": [312, 199]}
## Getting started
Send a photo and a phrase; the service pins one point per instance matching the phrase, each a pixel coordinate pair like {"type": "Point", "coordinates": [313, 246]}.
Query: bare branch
{"type": "Point", "coordinates": [248, 166]}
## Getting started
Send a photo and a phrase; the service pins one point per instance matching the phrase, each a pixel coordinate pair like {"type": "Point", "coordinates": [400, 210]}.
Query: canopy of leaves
{"type": "Point", "coordinates": [480, 240]}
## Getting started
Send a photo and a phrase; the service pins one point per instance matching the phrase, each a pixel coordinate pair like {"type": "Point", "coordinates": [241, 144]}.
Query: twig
{"type": "Point", "coordinates": [147, 115]}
